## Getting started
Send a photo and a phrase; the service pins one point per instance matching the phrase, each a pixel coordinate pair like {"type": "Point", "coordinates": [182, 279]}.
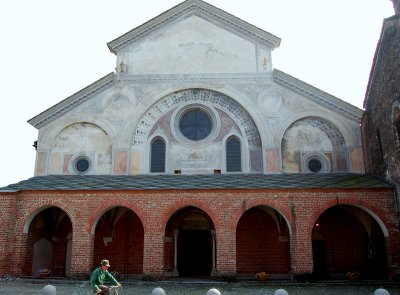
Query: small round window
{"type": "Point", "coordinates": [82, 165]}
{"type": "Point", "coordinates": [195, 124]}
{"type": "Point", "coordinates": [315, 162]}
{"type": "Point", "coordinates": [314, 165]}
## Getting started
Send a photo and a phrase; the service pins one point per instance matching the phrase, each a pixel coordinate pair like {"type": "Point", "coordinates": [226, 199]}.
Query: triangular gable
{"type": "Point", "coordinates": [318, 96]}
{"type": "Point", "coordinates": [72, 101]}
{"type": "Point", "coordinates": [203, 10]}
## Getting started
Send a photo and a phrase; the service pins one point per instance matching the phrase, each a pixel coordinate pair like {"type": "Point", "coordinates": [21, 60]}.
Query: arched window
{"type": "Point", "coordinates": [157, 160]}
{"type": "Point", "coordinates": [233, 155]}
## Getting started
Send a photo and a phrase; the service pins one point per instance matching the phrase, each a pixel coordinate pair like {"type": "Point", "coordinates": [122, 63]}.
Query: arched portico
{"type": "Point", "coordinates": [189, 248]}
{"type": "Point", "coordinates": [346, 238]}
{"type": "Point", "coordinates": [48, 243]}
{"type": "Point", "coordinates": [119, 237]}
{"type": "Point", "coordinates": [262, 242]}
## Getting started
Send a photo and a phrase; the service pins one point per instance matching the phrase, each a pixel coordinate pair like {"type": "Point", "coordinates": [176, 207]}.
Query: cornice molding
{"type": "Point", "coordinates": [182, 78]}
{"type": "Point", "coordinates": [201, 9]}
{"type": "Point", "coordinates": [73, 101]}
{"type": "Point", "coordinates": [318, 96]}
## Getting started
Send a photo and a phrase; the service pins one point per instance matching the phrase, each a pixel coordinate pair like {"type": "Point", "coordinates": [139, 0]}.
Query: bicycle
{"type": "Point", "coordinates": [115, 290]}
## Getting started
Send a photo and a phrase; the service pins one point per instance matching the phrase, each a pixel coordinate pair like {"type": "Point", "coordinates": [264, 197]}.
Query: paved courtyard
{"type": "Point", "coordinates": [64, 287]}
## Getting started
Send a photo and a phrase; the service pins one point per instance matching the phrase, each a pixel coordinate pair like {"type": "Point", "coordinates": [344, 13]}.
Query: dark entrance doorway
{"type": "Point", "coordinates": [319, 259]}
{"type": "Point", "coordinates": [190, 244]}
{"type": "Point", "coordinates": [194, 253]}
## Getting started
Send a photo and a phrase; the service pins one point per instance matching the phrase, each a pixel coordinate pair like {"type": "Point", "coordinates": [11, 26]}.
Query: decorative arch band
{"type": "Point", "coordinates": [199, 96]}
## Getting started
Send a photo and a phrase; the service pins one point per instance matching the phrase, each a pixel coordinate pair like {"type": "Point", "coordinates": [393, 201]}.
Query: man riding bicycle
{"type": "Point", "coordinates": [101, 275]}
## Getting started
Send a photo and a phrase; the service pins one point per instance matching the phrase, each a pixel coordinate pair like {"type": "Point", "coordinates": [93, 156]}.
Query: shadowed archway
{"type": "Point", "coordinates": [346, 239]}
{"type": "Point", "coordinates": [49, 240]}
{"type": "Point", "coordinates": [190, 244]}
{"type": "Point", "coordinates": [262, 243]}
{"type": "Point", "coordinates": [119, 237]}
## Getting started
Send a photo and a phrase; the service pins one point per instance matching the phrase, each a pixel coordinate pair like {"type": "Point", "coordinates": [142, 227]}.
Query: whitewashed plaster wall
{"type": "Point", "coordinates": [196, 46]}
{"type": "Point", "coordinates": [194, 51]}
{"type": "Point", "coordinates": [118, 111]}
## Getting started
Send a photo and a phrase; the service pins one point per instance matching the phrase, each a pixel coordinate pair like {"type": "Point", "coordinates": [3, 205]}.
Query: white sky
{"type": "Point", "coordinates": [51, 49]}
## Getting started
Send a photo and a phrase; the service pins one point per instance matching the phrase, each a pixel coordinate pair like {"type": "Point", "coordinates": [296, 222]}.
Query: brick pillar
{"type": "Point", "coordinates": [17, 252]}
{"type": "Point", "coordinates": [82, 252]}
{"type": "Point", "coordinates": [301, 254]}
{"type": "Point", "coordinates": [153, 254]}
{"type": "Point", "coordinates": [7, 213]}
{"type": "Point", "coordinates": [226, 251]}
{"type": "Point", "coordinates": [392, 245]}
{"type": "Point", "coordinates": [300, 242]}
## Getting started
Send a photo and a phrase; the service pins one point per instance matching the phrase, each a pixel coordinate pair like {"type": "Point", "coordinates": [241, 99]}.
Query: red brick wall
{"type": "Point", "coordinates": [125, 250]}
{"type": "Point", "coordinates": [7, 213]}
{"type": "Point", "coordinates": [299, 209]}
{"type": "Point", "coordinates": [260, 247]}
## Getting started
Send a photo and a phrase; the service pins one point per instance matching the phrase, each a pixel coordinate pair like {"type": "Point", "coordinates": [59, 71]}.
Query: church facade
{"type": "Point", "coordinates": [196, 157]}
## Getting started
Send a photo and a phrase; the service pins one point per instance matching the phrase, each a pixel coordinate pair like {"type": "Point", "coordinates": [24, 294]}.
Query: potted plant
{"type": "Point", "coordinates": [262, 276]}
{"type": "Point", "coordinates": [352, 275]}
{"type": "Point", "coordinates": [44, 272]}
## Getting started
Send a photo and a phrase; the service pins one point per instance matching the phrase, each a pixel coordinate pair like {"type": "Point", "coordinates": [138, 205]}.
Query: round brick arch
{"type": "Point", "coordinates": [103, 208]}
{"type": "Point", "coordinates": [189, 203]}
{"type": "Point", "coordinates": [375, 212]}
{"type": "Point", "coordinates": [33, 211]}
{"type": "Point", "coordinates": [284, 211]}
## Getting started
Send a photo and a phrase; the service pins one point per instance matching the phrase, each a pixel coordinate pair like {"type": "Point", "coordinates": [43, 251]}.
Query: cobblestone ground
{"type": "Point", "coordinates": [64, 287]}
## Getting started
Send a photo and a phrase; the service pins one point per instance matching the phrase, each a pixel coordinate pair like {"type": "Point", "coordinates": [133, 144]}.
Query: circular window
{"type": "Point", "coordinates": [82, 165]}
{"type": "Point", "coordinates": [195, 124]}
{"type": "Point", "coordinates": [314, 165]}
{"type": "Point", "coordinates": [315, 162]}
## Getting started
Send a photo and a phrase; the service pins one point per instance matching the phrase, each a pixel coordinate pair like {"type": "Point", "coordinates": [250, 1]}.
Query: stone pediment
{"type": "Point", "coordinates": [72, 101]}
{"type": "Point", "coordinates": [203, 10]}
{"type": "Point", "coordinates": [194, 37]}
{"type": "Point", "coordinates": [318, 96]}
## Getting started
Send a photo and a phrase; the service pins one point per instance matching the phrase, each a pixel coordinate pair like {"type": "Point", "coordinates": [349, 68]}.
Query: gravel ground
{"type": "Point", "coordinates": [64, 287]}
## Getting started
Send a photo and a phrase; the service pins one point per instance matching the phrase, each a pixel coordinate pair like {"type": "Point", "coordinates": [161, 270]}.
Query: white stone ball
{"type": "Point", "coordinates": [381, 292]}
{"type": "Point", "coordinates": [158, 291]}
{"type": "Point", "coordinates": [213, 291]}
{"type": "Point", "coordinates": [281, 292]}
{"type": "Point", "coordinates": [49, 290]}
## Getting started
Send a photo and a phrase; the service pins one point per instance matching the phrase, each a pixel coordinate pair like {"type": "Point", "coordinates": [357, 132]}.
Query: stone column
{"type": "Point", "coordinates": [175, 271]}
{"type": "Point", "coordinates": [213, 248]}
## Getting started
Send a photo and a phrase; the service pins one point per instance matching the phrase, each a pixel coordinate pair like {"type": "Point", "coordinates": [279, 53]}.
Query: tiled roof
{"type": "Point", "coordinates": [215, 181]}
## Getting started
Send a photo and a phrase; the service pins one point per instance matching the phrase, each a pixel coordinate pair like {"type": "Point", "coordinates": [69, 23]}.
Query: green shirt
{"type": "Point", "coordinates": [99, 277]}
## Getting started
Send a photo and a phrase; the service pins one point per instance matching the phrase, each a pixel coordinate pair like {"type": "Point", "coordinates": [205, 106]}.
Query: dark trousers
{"type": "Point", "coordinates": [104, 290]}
